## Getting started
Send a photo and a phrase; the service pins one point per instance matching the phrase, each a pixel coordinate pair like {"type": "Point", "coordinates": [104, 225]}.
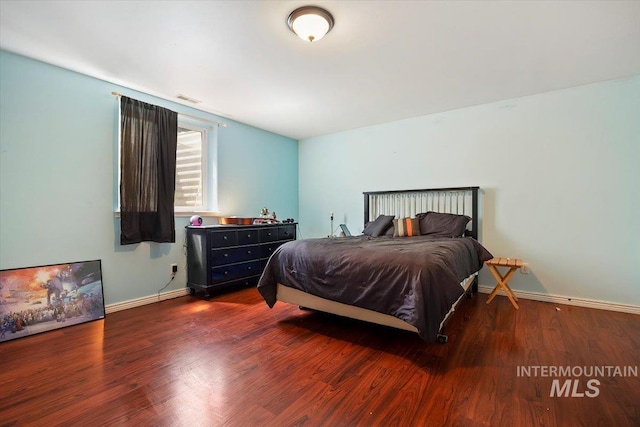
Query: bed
{"type": "Point", "coordinates": [418, 256]}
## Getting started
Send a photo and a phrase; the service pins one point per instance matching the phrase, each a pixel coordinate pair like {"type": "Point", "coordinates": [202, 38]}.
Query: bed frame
{"type": "Point", "coordinates": [408, 203]}
{"type": "Point", "coordinates": [401, 203]}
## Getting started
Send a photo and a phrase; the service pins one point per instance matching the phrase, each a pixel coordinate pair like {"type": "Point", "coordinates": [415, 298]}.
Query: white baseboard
{"type": "Point", "coordinates": [125, 305]}
{"type": "Point", "coordinates": [535, 296]}
{"type": "Point", "coordinates": [558, 299]}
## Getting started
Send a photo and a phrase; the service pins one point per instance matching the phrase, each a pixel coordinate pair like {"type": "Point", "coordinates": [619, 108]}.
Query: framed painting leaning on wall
{"type": "Point", "coordinates": [44, 298]}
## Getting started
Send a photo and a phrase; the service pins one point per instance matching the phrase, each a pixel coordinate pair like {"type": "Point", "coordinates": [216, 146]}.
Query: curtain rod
{"type": "Point", "coordinates": [224, 125]}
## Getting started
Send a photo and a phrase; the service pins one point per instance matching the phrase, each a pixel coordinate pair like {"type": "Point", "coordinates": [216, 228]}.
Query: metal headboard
{"type": "Point", "coordinates": [407, 203]}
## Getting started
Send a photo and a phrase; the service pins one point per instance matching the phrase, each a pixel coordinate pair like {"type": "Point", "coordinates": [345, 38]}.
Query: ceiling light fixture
{"type": "Point", "coordinates": [310, 23]}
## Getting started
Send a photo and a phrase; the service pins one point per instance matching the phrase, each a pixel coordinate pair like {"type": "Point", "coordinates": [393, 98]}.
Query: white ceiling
{"type": "Point", "coordinates": [383, 60]}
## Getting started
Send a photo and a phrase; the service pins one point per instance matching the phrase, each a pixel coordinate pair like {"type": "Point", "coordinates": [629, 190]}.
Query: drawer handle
{"type": "Point", "coordinates": [269, 234]}
{"type": "Point", "coordinates": [248, 236]}
{"type": "Point", "coordinates": [248, 268]}
{"type": "Point", "coordinates": [249, 252]}
{"type": "Point", "coordinates": [226, 272]}
{"type": "Point", "coordinates": [226, 255]}
{"type": "Point", "coordinates": [224, 237]}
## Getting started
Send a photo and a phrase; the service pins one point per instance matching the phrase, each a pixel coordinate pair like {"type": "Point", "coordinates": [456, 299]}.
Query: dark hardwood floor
{"type": "Point", "coordinates": [231, 361]}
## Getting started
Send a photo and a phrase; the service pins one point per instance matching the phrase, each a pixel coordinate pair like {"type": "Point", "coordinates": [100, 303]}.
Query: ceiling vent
{"type": "Point", "coordinates": [186, 98]}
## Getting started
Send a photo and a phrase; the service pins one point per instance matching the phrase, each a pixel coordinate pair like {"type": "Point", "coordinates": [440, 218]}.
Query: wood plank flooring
{"type": "Point", "coordinates": [232, 361]}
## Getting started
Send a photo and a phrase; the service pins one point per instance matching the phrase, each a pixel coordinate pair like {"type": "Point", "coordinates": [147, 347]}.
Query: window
{"type": "Point", "coordinates": [191, 169]}
{"type": "Point", "coordinates": [196, 168]}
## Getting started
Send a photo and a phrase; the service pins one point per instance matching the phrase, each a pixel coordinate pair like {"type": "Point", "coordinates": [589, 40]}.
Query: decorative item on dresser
{"type": "Point", "coordinates": [222, 256]}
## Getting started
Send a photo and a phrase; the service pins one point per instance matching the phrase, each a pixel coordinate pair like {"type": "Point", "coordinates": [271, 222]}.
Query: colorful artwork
{"type": "Point", "coordinates": [40, 299]}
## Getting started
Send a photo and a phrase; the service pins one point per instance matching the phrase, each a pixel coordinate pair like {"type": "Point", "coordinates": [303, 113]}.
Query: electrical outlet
{"type": "Point", "coordinates": [525, 268]}
{"type": "Point", "coordinates": [174, 269]}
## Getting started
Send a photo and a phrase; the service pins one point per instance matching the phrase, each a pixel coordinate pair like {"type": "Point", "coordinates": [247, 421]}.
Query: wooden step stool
{"type": "Point", "coordinates": [513, 264]}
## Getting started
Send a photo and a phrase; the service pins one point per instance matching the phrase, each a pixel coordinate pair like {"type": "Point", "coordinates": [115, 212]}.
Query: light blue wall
{"type": "Point", "coordinates": [560, 173]}
{"type": "Point", "coordinates": [58, 136]}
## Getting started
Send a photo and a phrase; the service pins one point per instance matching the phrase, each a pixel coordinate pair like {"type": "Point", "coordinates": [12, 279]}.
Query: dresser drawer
{"type": "Point", "coordinates": [269, 234]}
{"type": "Point", "coordinates": [248, 236]}
{"type": "Point", "coordinates": [266, 249]}
{"type": "Point", "coordinates": [286, 232]}
{"type": "Point", "coordinates": [235, 255]}
{"type": "Point", "coordinates": [234, 271]}
{"type": "Point", "coordinates": [221, 239]}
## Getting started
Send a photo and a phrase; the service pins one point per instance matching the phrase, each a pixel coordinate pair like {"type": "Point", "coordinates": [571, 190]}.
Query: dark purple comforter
{"type": "Point", "coordinates": [416, 279]}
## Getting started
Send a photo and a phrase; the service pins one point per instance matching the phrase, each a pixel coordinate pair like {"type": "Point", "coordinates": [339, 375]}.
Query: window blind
{"type": "Point", "coordinates": [189, 170]}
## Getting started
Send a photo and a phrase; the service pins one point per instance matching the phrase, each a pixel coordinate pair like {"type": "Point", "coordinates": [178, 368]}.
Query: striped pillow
{"type": "Point", "coordinates": [406, 227]}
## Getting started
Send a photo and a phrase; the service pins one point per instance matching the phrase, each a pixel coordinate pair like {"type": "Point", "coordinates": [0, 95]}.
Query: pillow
{"type": "Point", "coordinates": [406, 227]}
{"type": "Point", "coordinates": [390, 231]}
{"type": "Point", "coordinates": [378, 226]}
{"type": "Point", "coordinates": [439, 224]}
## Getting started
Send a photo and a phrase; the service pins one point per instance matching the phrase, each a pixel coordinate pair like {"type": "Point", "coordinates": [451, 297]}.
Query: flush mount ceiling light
{"type": "Point", "coordinates": [310, 23]}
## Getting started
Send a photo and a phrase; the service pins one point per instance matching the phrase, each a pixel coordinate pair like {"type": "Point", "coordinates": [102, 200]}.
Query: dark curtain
{"type": "Point", "coordinates": [149, 136]}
